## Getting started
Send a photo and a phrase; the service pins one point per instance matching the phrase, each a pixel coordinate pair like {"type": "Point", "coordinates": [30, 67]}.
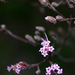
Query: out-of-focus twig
{"type": "Point", "coordinates": [66, 19]}
{"type": "Point", "coordinates": [17, 37]}
{"type": "Point", "coordinates": [64, 42]}
{"type": "Point", "coordinates": [66, 60]}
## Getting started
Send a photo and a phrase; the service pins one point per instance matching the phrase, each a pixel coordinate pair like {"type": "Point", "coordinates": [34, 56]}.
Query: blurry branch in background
{"type": "Point", "coordinates": [66, 19]}
{"type": "Point", "coordinates": [59, 39]}
{"type": "Point", "coordinates": [66, 60]}
{"type": "Point", "coordinates": [67, 35]}
{"type": "Point", "coordinates": [6, 31]}
{"type": "Point", "coordinates": [63, 59]}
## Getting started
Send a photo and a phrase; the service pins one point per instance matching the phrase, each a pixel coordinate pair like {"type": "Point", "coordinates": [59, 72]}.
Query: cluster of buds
{"type": "Point", "coordinates": [18, 67]}
{"type": "Point", "coordinates": [54, 69]}
{"type": "Point", "coordinates": [54, 20]}
{"type": "Point", "coordinates": [46, 49]}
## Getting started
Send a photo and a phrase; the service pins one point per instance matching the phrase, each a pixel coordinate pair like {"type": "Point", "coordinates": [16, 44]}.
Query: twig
{"type": "Point", "coordinates": [37, 64]}
{"type": "Point", "coordinates": [66, 60]}
{"type": "Point", "coordinates": [64, 42]}
{"type": "Point", "coordinates": [66, 19]}
{"type": "Point", "coordinates": [17, 37]}
{"type": "Point", "coordinates": [52, 8]}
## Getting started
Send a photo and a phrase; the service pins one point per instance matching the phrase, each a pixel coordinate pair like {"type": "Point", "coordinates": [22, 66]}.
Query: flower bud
{"type": "Point", "coordinates": [37, 37]}
{"type": "Point", "coordinates": [51, 19]}
{"type": "Point", "coordinates": [3, 26]}
{"type": "Point", "coordinates": [44, 2]}
{"type": "Point", "coordinates": [29, 38]}
{"type": "Point", "coordinates": [74, 22]}
{"type": "Point", "coordinates": [58, 17]}
{"type": "Point", "coordinates": [71, 5]}
{"type": "Point", "coordinates": [73, 1]}
{"type": "Point", "coordinates": [37, 32]}
{"type": "Point", "coordinates": [40, 28]}
{"type": "Point", "coordinates": [55, 4]}
{"type": "Point", "coordinates": [38, 72]}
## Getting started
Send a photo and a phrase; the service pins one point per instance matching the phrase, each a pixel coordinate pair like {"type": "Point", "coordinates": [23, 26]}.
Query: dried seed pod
{"type": "Point", "coordinates": [51, 19]}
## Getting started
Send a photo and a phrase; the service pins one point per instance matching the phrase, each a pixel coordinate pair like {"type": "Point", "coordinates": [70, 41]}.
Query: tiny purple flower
{"type": "Point", "coordinates": [18, 67]}
{"type": "Point", "coordinates": [10, 67]}
{"type": "Point", "coordinates": [51, 48]}
{"type": "Point", "coordinates": [44, 54]}
{"type": "Point", "coordinates": [45, 43]}
{"type": "Point", "coordinates": [60, 71]}
{"type": "Point", "coordinates": [54, 69]}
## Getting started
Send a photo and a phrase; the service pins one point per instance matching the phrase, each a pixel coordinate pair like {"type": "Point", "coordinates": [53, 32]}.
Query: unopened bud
{"type": "Point", "coordinates": [40, 28]}
{"type": "Point", "coordinates": [37, 32]}
{"type": "Point", "coordinates": [37, 37]}
{"type": "Point", "coordinates": [51, 19]}
{"type": "Point", "coordinates": [74, 22]}
{"type": "Point", "coordinates": [38, 72]}
{"type": "Point", "coordinates": [71, 5]}
{"type": "Point", "coordinates": [3, 26]}
{"type": "Point", "coordinates": [55, 4]}
{"type": "Point", "coordinates": [30, 38]}
{"type": "Point", "coordinates": [73, 1]}
{"type": "Point", "coordinates": [44, 2]}
{"type": "Point", "coordinates": [58, 17]}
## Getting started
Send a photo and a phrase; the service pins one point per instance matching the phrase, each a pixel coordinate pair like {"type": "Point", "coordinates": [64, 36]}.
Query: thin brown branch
{"type": "Point", "coordinates": [66, 19]}
{"type": "Point", "coordinates": [53, 8]}
{"type": "Point", "coordinates": [64, 42]}
{"type": "Point", "coordinates": [37, 64]}
{"type": "Point", "coordinates": [41, 62]}
{"type": "Point", "coordinates": [66, 60]}
{"type": "Point", "coordinates": [17, 37]}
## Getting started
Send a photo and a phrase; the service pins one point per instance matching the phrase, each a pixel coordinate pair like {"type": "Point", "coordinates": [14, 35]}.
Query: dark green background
{"type": "Point", "coordinates": [21, 18]}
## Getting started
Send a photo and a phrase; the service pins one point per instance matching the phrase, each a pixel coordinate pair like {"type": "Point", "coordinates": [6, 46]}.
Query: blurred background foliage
{"type": "Point", "coordinates": [21, 17]}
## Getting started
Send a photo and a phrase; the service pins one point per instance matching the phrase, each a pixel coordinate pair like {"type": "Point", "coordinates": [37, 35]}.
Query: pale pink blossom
{"type": "Point", "coordinates": [51, 48]}
{"type": "Point", "coordinates": [60, 71]}
{"type": "Point", "coordinates": [54, 69]}
{"type": "Point", "coordinates": [46, 48]}
{"type": "Point", "coordinates": [45, 43]}
{"type": "Point", "coordinates": [10, 67]}
{"type": "Point", "coordinates": [18, 67]}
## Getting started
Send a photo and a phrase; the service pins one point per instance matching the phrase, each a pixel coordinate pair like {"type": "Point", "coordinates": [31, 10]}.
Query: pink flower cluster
{"type": "Point", "coordinates": [18, 67]}
{"type": "Point", "coordinates": [54, 69]}
{"type": "Point", "coordinates": [46, 48]}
